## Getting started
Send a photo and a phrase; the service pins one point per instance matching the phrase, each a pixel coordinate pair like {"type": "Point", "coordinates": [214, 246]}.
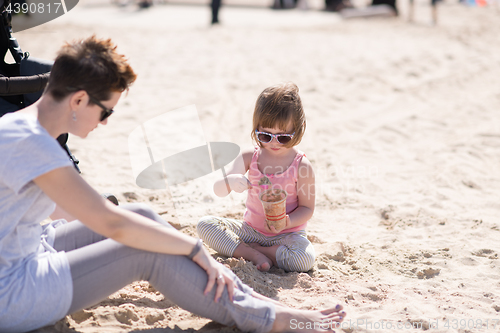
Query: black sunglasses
{"type": "Point", "coordinates": [265, 137]}
{"type": "Point", "coordinates": [105, 113]}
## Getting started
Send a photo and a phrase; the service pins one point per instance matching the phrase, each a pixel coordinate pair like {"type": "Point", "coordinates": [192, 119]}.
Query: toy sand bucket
{"type": "Point", "coordinates": [274, 203]}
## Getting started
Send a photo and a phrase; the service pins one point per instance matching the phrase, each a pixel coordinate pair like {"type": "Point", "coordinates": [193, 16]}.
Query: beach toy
{"type": "Point", "coordinates": [274, 204]}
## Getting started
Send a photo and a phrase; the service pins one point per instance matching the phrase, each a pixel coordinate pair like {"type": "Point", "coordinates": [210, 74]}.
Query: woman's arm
{"type": "Point", "coordinates": [70, 191]}
{"type": "Point", "coordinates": [236, 181]}
{"type": "Point", "coordinates": [60, 213]}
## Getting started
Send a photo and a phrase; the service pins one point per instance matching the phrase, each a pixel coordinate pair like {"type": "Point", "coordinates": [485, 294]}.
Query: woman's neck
{"type": "Point", "coordinates": [50, 114]}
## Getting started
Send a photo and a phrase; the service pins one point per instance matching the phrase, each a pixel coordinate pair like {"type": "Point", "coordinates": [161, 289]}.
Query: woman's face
{"type": "Point", "coordinates": [88, 116]}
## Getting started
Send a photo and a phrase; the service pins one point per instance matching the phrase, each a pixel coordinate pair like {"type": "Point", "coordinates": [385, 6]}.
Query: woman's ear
{"type": "Point", "coordinates": [78, 99]}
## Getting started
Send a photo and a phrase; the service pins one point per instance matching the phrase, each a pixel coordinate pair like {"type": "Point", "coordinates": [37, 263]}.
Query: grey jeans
{"type": "Point", "coordinates": [100, 267]}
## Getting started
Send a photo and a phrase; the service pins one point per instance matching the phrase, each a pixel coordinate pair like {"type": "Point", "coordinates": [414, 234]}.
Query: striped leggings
{"type": "Point", "coordinates": [295, 253]}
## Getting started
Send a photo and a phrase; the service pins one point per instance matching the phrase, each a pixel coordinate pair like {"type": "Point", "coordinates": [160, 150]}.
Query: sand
{"type": "Point", "coordinates": [403, 132]}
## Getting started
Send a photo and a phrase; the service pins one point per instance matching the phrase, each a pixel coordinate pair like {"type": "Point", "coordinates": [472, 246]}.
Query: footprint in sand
{"type": "Point", "coordinates": [428, 273]}
{"type": "Point", "coordinates": [486, 253]}
{"type": "Point", "coordinates": [335, 252]}
{"type": "Point", "coordinates": [126, 316]}
{"type": "Point", "coordinates": [373, 297]}
{"type": "Point", "coordinates": [315, 239]}
{"type": "Point", "coordinates": [469, 261]}
{"type": "Point", "coordinates": [151, 319]}
{"type": "Point", "coordinates": [80, 316]}
{"type": "Point", "coordinates": [131, 196]}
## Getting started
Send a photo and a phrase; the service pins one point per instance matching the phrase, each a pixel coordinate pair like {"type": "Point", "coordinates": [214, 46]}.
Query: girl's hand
{"type": "Point", "coordinates": [238, 183]}
{"type": "Point", "coordinates": [216, 275]}
{"type": "Point", "coordinates": [273, 230]}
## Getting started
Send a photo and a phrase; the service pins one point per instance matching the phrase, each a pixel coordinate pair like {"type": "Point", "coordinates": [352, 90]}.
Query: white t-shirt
{"type": "Point", "coordinates": [36, 288]}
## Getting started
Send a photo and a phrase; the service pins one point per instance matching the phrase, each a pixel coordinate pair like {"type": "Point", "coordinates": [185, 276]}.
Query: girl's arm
{"type": "Point", "coordinates": [70, 191]}
{"type": "Point", "coordinates": [306, 197]}
{"type": "Point", "coordinates": [236, 181]}
{"type": "Point", "coordinates": [306, 192]}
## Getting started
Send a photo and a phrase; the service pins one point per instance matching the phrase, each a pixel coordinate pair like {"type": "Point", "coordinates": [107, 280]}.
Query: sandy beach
{"type": "Point", "coordinates": [403, 131]}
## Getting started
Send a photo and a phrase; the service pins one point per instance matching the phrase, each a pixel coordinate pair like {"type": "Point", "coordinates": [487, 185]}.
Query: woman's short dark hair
{"type": "Point", "coordinates": [92, 65]}
{"type": "Point", "coordinates": [277, 106]}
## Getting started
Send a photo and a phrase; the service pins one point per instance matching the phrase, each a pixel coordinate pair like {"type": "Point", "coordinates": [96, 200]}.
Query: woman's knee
{"type": "Point", "coordinates": [146, 211]}
{"type": "Point", "coordinates": [141, 209]}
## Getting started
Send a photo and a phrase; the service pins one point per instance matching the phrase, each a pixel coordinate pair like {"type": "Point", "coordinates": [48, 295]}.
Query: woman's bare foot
{"type": "Point", "coordinates": [260, 260]}
{"type": "Point", "coordinates": [307, 321]}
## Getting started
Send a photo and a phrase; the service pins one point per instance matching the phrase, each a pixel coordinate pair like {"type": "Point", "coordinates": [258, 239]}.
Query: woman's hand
{"type": "Point", "coordinates": [273, 230]}
{"type": "Point", "coordinates": [238, 183]}
{"type": "Point", "coordinates": [216, 275]}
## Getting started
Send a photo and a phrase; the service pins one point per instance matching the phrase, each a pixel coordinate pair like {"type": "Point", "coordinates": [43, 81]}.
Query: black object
{"type": "Point", "coordinates": [391, 3]}
{"type": "Point", "coordinates": [9, 43]}
{"type": "Point", "coordinates": [22, 82]}
{"type": "Point", "coordinates": [338, 5]}
{"type": "Point", "coordinates": [145, 4]}
{"type": "Point", "coordinates": [19, 85]}
{"type": "Point", "coordinates": [284, 4]}
{"type": "Point", "coordinates": [215, 4]}
{"type": "Point", "coordinates": [110, 197]}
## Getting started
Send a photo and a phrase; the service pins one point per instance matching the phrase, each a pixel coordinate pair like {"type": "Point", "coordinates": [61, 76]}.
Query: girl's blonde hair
{"type": "Point", "coordinates": [277, 106]}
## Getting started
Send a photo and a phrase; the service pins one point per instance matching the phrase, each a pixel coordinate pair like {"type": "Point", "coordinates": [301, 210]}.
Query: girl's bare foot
{"type": "Point", "coordinates": [255, 246]}
{"type": "Point", "coordinates": [265, 265]}
{"type": "Point", "coordinates": [306, 321]}
{"type": "Point", "coordinates": [268, 251]}
{"type": "Point", "coordinates": [260, 260]}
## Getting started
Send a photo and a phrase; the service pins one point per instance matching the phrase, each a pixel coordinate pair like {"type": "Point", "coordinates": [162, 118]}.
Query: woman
{"type": "Point", "coordinates": [48, 273]}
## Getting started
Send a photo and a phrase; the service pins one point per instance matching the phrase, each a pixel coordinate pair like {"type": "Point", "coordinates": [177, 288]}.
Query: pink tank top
{"type": "Point", "coordinates": [287, 180]}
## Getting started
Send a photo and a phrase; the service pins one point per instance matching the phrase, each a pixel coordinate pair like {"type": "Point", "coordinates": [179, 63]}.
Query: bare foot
{"type": "Point", "coordinates": [268, 251]}
{"type": "Point", "coordinates": [260, 260]}
{"type": "Point", "coordinates": [307, 321]}
{"type": "Point", "coordinates": [264, 266]}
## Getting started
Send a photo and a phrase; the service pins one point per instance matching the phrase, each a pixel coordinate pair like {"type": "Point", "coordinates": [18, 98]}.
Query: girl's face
{"type": "Point", "coordinates": [274, 146]}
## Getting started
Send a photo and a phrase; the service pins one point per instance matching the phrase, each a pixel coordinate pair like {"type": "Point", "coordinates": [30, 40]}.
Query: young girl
{"type": "Point", "coordinates": [278, 126]}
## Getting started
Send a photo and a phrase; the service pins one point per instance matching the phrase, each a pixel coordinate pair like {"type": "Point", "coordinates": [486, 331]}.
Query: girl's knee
{"type": "Point", "coordinates": [302, 267]}
{"type": "Point", "coordinates": [208, 219]}
{"type": "Point", "coordinates": [308, 261]}
{"type": "Point", "coordinates": [297, 261]}
{"type": "Point", "coordinates": [205, 223]}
